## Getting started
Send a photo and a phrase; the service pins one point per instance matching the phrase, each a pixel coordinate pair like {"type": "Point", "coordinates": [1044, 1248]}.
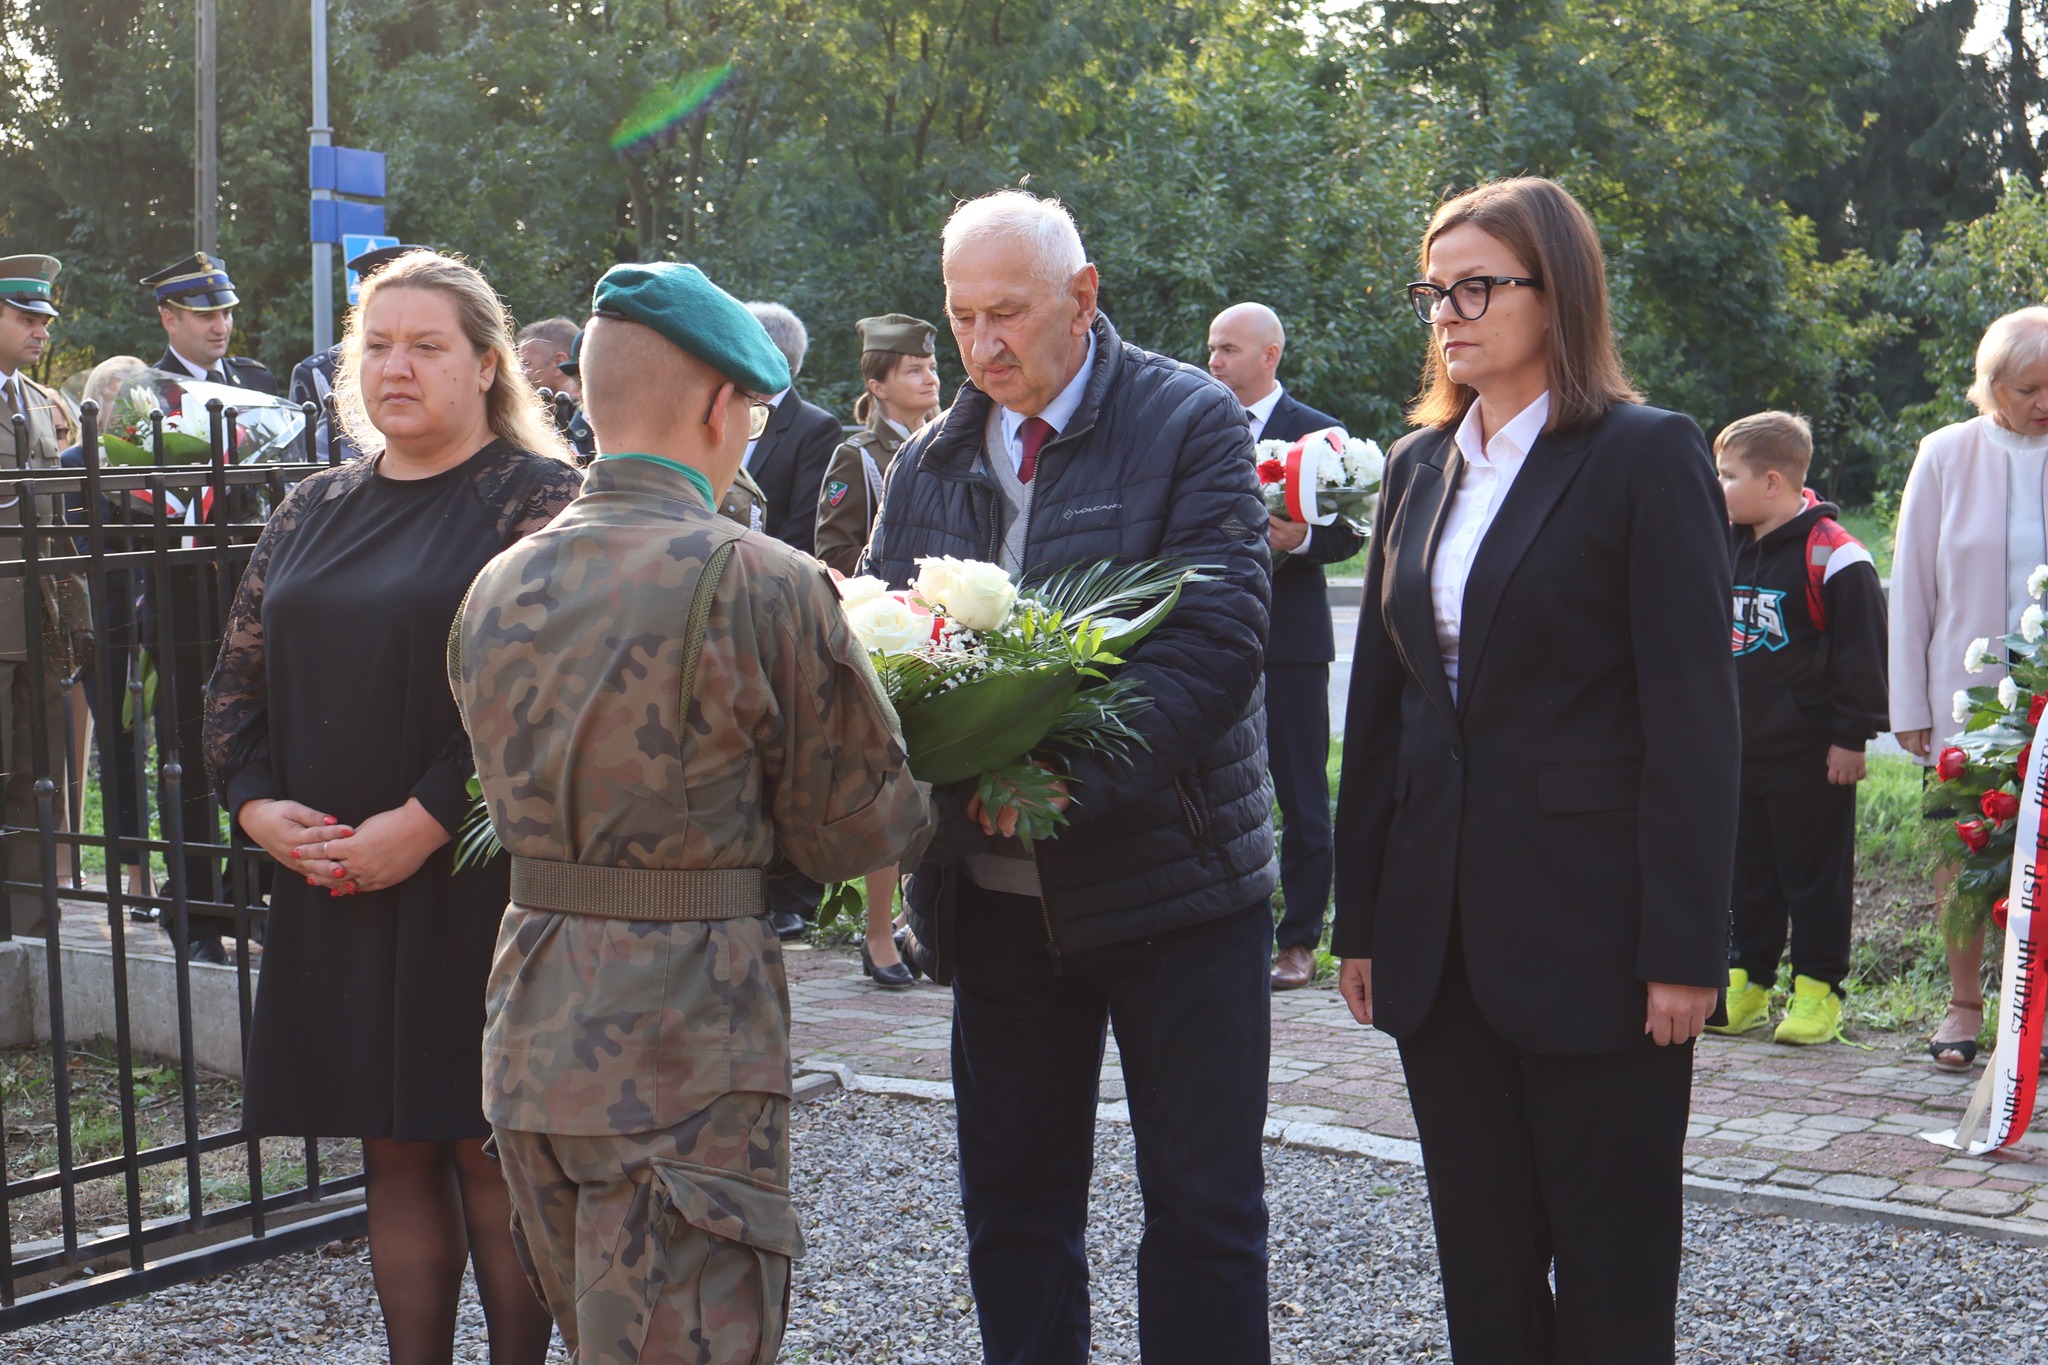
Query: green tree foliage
{"type": "Point", "coordinates": [1784, 188]}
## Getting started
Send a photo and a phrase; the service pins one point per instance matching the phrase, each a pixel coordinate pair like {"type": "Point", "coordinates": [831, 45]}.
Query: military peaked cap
{"type": "Point", "coordinates": [899, 334]}
{"type": "Point", "coordinates": [375, 259]}
{"type": "Point", "coordinates": [198, 282]}
{"type": "Point", "coordinates": [683, 305]}
{"type": "Point", "coordinates": [28, 283]}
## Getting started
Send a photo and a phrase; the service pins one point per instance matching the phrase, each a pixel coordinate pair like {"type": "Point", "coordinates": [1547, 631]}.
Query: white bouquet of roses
{"type": "Point", "coordinates": [982, 672]}
{"type": "Point", "coordinates": [1324, 477]}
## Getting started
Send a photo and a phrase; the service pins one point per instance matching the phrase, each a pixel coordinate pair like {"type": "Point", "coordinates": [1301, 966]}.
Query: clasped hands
{"type": "Point", "coordinates": [1676, 1014]}
{"type": "Point", "coordinates": [379, 853]}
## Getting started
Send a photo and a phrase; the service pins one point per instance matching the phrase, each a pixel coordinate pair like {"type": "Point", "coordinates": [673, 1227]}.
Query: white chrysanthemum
{"type": "Point", "coordinates": [1273, 450]}
{"type": "Point", "coordinates": [2008, 693]}
{"type": "Point", "coordinates": [1977, 655]}
{"type": "Point", "coordinates": [2037, 581]}
{"type": "Point", "coordinates": [1960, 708]}
{"type": "Point", "coordinates": [2031, 621]}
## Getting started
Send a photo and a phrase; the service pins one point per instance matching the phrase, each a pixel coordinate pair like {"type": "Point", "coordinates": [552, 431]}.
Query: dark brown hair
{"type": "Point", "coordinates": [1556, 241]}
{"type": "Point", "coordinates": [876, 366]}
{"type": "Point", "coordinates": [1769, 440]}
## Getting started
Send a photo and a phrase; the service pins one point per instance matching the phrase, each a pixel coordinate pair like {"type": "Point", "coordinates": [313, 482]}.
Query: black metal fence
{"type": "Point", "coordinates": [152, 1186]}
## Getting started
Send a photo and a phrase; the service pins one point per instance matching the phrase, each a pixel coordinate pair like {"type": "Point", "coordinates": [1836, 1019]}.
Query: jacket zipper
{"type": "Point", "coordinates": [1187, 809]}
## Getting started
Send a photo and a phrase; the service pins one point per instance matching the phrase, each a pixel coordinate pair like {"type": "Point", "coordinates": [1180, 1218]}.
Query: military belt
{"type": "Point", "coordinates": [639, 893]}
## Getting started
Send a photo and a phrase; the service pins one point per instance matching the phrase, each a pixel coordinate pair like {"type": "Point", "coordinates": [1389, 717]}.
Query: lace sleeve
{"type": "Point", "coordinates": [237, 734]}
{"type": "Point", "coordinates": [523, 492]}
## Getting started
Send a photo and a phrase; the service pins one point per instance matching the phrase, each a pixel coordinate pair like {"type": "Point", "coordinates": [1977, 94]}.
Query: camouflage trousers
{"type": "Point", "coordinates": [670, 1246]}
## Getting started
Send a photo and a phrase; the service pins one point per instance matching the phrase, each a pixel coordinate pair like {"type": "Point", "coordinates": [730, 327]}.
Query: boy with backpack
{"type": "Point", "coordinates": [1809, 642]}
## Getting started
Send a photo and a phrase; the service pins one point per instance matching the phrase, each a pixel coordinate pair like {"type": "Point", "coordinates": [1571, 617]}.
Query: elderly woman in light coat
{"type": "Point", "coordinates": [1973, 524]}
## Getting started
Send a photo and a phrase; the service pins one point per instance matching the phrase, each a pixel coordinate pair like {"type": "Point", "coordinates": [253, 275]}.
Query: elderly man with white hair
{"type": "Point", "coordinates": [1149, 912]}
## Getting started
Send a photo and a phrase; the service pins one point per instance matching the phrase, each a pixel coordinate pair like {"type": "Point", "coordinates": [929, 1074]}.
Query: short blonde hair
{"type": "Point", "coordinates": [109, 379]}
{"type": "Point", "coordinates": [1765, 441]}
{"type": "Point", "coordinates": [512, 406]}
{"type": "Point", "coordinates": [2014, 342]}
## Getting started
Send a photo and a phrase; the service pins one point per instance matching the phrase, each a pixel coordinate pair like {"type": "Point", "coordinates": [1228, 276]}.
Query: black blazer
{"type": "Point", "coordinates": [239, 370]}
{"type": "Point", "coordinates": [1301, 599]}
{"type": "Point", "coordinates": [1575, 804]}
{"type": "Point", "coordinates": [789, 463]}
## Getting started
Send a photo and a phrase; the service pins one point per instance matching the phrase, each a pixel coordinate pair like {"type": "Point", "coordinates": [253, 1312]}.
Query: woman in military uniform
{"type": "Point", "coordinates": [899, 365]}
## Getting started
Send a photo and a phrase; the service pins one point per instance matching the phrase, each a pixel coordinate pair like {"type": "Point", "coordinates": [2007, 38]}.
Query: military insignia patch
{"type": "Point", "coordinates": [835, 492]}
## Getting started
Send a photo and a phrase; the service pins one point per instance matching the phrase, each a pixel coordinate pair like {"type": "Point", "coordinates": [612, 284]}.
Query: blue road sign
{"type": "Point", "coordinates": [347, 170]}
{"type": "Point", "coordinates": [354, 244]}
{"type": "Point", "coordinates": [334, 219]}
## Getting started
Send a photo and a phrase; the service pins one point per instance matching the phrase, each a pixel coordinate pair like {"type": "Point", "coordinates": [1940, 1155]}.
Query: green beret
{"type": "Point", "coordinates": [682, 304]}
{"type": "Point", "coordinates": [899, 334]}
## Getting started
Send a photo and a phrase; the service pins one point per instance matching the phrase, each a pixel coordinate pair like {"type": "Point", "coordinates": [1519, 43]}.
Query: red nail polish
{"type": "Point", "coordinates": [295, 853]}
{"type": "Point", "coordinates": [329, 820]}
{"type": "Point", "coordinates": [311, 882]}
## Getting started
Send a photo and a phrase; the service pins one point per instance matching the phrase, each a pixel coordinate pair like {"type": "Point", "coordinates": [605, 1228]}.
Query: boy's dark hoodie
{"type": "Point", "coordinates": [1804, 689]}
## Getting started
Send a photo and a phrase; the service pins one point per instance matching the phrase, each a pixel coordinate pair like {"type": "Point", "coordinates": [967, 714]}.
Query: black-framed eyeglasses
{"type": "Point", "coordinates": [1469, 296]}
{"type": "Point", "coordinates": [759, 410]}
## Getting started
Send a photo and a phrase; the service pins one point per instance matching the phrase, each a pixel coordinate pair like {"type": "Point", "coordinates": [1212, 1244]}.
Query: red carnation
{"type": "Point", "coordinates": [1272, 471]}
{"type": "Point", "coordinates": [1973, 834]}
{"type": "Point", "coordinates": [1950, 765]}
{"type": "Point", "coordinates": [1999, 806]}
{"type": "Point", "coordinates": [1998, 911]}
{"type": "Point", "coordinates": [2036, 707]}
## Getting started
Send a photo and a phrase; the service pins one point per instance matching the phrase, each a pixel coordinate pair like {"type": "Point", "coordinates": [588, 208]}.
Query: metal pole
{"type": "Point", "coordinates": [206, 138]}
{"type": "Point", "coordinates": [323, 252]}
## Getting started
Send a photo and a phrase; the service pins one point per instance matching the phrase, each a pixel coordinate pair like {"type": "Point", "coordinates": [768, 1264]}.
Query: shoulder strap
{"type": "Point", "coordinates": [699, 622]}
{"type": "Point", "coordinates": [1824, 539]}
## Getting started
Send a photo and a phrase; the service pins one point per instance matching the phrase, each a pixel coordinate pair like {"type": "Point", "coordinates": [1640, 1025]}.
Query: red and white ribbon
{"type": "Point", "coordinates": [2006, 1093]}
{"type": "Point", "coordinates": [1304, 461]}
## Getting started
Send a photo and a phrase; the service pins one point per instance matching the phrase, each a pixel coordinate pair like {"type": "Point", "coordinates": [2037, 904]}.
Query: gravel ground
{"type": "Point", "coordinates": [1354, 1275]}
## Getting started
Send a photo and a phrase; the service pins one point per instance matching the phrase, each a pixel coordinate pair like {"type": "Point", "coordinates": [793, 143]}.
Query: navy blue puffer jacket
{"type": "Point", "coordinates": [1157, 462]}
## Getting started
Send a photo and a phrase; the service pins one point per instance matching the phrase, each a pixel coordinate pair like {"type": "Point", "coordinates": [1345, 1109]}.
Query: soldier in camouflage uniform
{"type": "Point", "coordinates": [27, 307]}
{"type": "Point", "coordinates": [900, 369]}
{"type": "Point", "coordinates": [636, 1056]}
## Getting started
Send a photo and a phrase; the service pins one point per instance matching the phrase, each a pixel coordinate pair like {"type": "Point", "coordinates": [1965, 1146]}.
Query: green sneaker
{"type": "Point", "coordinates": [1814, 1016]}
{"type": "Point", "coordinates": [1748, 1006]}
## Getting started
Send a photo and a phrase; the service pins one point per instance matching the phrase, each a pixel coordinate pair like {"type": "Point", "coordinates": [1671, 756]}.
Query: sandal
{"type": "Point", "coordinates": [1963, 1049]}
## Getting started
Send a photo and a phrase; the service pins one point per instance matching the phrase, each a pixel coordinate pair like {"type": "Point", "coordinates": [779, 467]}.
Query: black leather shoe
{"type": "Point", "coordinates": [894, 977]}
{"type": "Point", "coordinates": [787, 924]}
{"type": "Point", "coordinates": [207, 948]}
{"type": "Point", "coordinates": [906, 948]}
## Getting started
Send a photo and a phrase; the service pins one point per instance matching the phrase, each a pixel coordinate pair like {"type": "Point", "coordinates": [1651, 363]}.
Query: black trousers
{"type": "Point", "coordinates": [1538, 1163]}
{"type": "Point", "coordinates": [1190, 1012]}
{"type": "Point", "coordinates": [795, 892]}
{"type": "Point", "coordinates": [1795, 861]}
{"type": "Point", "coordinates": [1298, 752]}
{"type": "Point", "coordinates": [185, 636]}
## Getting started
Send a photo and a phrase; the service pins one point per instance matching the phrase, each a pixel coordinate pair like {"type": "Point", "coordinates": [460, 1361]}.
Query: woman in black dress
{"type": "Point", "coordinates": [331, 735]}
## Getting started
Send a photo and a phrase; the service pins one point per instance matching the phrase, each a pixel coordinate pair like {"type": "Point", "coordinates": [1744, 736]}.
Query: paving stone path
{"type": "Point", "coordinates": [1828, 1130]}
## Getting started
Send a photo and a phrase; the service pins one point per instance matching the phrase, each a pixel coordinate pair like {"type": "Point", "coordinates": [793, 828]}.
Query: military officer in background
{"type": "Point", "coordinates": [636, 1054]}
{"type": "Point", "coordinates": [196, 301]}
{"type": "Point", "coordinates": [899, 365]}
{"type": "Point", "coordinates": [581, 438]}
{"type": "Point", "coordinates": [27, 307]}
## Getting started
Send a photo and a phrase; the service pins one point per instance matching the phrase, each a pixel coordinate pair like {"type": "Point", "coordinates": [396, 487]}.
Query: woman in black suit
{"type": "Point", "coordinates": [1536, 819]}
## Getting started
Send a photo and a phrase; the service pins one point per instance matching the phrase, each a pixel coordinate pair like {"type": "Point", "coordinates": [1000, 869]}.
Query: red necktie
{"type": "Point", "coordinates": [1037, 431]}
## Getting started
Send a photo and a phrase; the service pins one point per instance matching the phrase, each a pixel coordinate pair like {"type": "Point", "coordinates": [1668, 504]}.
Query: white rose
{"type": "Point", "coordinates": [979, 596]}
{"type": "Point", "coordinates": [1977, 655]}
{"type": "Point", "coordinates": [854, 591]}
{"type": "Point", "coordinates": [2008, 693]}
{"type": "Point", "coordinates": [983, 596]}
{"type": "Point", "coordinates": [2037, 581]}
{"type": "Point", "coordinates": [1960, 708]}
{"type": "Point", "coordinates": [2031, 621]}
{"type": "Point", "coordinates": [886, 626]}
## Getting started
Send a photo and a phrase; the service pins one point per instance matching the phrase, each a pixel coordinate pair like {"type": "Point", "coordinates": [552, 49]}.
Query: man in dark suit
{"type": "Point", "coordinates": [1246, 342]}
{"type": "Point", "coordinates": [195, 301]}
{"type": "Point", "coordinates": [790, 459]}
{"type": "Point", "coordinates": [789, 463]}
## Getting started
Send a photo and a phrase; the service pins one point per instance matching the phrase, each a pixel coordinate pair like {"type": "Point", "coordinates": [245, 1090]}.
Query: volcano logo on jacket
{"type": "Point", "coordinates": [1759, 620]}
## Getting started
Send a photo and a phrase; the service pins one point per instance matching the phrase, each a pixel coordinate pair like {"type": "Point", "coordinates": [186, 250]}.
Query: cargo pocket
{"type": "Point", "coordinates": [722, 1272]}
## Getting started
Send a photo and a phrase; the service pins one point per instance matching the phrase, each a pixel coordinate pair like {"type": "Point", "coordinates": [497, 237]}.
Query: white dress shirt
{"type": "Point", "coordinates": [747, 460]}
{"type": "Point", "coordinates": [1262, 411]}
{"type": "Point", "coordinates": [1490, 472]}
{"type": "Point", "coordinates": [1058, 412]}
{"type": "Point", "coordinates": [197, 371]}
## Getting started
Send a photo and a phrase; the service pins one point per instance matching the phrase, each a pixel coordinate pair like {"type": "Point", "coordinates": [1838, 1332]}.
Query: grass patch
{"type": "Point", "coordinates": [1873, 526]}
